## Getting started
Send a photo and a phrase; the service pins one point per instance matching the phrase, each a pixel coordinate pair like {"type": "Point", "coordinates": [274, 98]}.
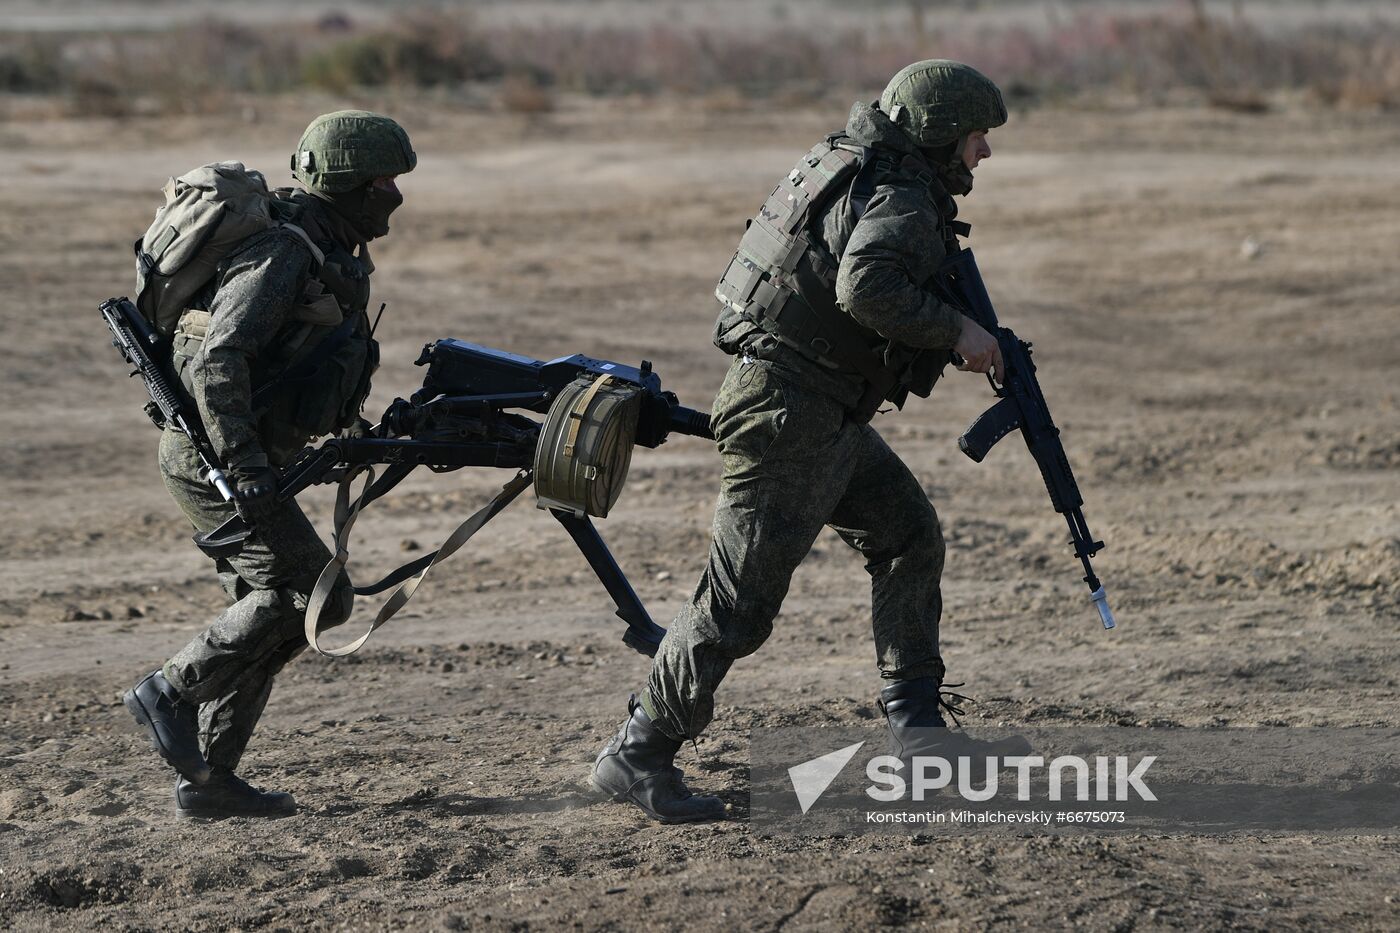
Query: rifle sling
{"type": "Point", "coordinates": [396, 576]}
{"type": "Point", "coordinates": [415, 571]}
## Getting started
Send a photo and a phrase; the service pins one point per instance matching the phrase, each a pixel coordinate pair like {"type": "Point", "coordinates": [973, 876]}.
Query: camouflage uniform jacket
{"type": "Point", "coordinates": [885, 260]}
{"type": "Point", "coordinates": [268, 307]}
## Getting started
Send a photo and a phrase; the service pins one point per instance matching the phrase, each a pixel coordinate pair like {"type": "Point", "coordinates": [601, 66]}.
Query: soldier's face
{"type": "Point", "coordinates": [386, 183]}
{"type": "Point", "coordinates": [976, 149]}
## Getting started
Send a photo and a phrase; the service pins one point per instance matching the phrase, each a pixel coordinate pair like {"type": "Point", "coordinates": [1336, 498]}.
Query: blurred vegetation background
{"type": "Point", "coordinates": [90, 57]}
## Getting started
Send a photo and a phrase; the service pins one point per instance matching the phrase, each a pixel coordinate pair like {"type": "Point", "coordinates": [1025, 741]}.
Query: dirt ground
{"type": "Point", "coordinates": [1213, 302]}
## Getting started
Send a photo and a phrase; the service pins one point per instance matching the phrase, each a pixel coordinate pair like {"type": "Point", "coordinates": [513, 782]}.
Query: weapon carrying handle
{"type": "Point", "coordinates": [228, 539]}
{"type": "Point", "coordinates": [642, 642]}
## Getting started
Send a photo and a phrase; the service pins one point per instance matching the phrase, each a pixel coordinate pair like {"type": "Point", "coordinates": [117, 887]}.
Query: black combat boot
{"type": "Point", "coordinates": [226, 794]}
{"type": "Point", "coordinates": [917, 726]}
{"type": "Point", "coordinates": [636, 766]}
{"type": "Point", "coordinates": [171, 722]}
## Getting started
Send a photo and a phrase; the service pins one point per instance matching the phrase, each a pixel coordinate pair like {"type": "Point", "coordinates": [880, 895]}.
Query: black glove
{"type": "Point", "coordinates": [360, 429]}
{"type": "Point", "coordinates": [255, 496]}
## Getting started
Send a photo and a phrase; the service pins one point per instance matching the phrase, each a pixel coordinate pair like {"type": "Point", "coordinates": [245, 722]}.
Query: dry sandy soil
{"type": "Point", "coordinates": [1231, 413]}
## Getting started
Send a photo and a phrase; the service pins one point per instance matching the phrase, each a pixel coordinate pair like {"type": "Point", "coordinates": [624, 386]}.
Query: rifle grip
{"type": "Point", "coordinates": [991, 426]}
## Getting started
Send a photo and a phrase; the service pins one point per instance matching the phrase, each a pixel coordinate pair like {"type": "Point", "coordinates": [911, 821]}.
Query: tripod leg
{"type": "Point", "coordinates": [642, 635]}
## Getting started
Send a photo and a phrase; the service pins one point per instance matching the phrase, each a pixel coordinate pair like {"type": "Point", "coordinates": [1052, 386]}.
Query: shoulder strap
{"type": "Point", "coordinates": [872, 164]}
{"type": "Point", "coordinates": [345, 515]}
{"type": "Point", "coordinates": [317, 253]}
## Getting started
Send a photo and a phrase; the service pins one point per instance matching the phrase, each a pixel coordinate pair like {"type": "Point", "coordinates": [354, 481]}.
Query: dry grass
{"type": "Point", "coordinates": [523, 94]}
{"type": "Point", "coordinates": [1226, 61]}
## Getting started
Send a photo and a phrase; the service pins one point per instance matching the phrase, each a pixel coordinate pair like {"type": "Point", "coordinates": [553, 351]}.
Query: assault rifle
{"type": "Point", "coordinates": [146, 350]}
{"type": "Point", "coordinates": [461, 417]}
{"type": "Point", "coordinates": [1022, 407]}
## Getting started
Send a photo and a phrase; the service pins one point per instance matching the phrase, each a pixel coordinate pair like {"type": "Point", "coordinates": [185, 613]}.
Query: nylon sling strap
{"type": "Point", "coordinates": [316, 252]}
{"type": "Point", "coordinates": [345, 515]}
{"type": "Point", "coordinates": [581, 411]}
{"type": "Point", "coordinates": [863, 186]}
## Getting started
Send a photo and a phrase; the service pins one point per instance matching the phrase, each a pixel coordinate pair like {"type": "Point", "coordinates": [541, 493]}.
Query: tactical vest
{"type": "Point", "coordinates": [314, 377]}
{"type": "Point", "coordinates": [783, 281]}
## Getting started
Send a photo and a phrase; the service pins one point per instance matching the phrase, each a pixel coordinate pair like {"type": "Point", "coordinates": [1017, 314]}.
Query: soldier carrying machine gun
{"type": "Point", "coordinates": [251, 329]}
{"type": "Point", "coordinates": [460, 418]}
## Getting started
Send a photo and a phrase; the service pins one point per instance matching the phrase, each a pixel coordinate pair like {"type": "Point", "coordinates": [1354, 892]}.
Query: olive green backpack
{"type": "Point", "coordinates": [207, 213]}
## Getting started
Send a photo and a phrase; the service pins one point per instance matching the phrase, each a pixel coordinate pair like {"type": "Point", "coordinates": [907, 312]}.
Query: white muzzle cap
{"type": "Point", "coordinates": [1100, 599]}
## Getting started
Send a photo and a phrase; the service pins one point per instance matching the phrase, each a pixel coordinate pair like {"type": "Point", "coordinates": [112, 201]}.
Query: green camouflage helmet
{"type": "Point", "coordinates": [343, 150]}
{"type": "Point", "coordinates": [938, 101]}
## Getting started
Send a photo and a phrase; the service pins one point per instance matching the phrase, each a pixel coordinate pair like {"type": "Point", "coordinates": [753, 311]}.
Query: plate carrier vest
{"type": "Point", "coordinates": [784, 282]}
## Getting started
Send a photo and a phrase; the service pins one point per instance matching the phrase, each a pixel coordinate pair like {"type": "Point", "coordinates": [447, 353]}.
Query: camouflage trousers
{"type": "Point", "coordinates": [793, 462]}
{"type": "Point", "coordinates": [228, 669]}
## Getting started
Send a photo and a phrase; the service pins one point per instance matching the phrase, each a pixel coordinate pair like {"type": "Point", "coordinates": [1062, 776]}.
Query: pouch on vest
{"type": "Point", "coordinates": [585, 446]}
{"type": "Point", "coordinates": [323, 380]}
{"type": "Point", "coordinates": [189, 335]}
{"type": "Point", "coordinates": [207, 213]}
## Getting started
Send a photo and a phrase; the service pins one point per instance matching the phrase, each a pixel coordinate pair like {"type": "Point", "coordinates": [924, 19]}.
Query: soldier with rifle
{"type": "Point", "coordinates": [837, 301]}
{"type": "Point", "coordinates": [273, 349]}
